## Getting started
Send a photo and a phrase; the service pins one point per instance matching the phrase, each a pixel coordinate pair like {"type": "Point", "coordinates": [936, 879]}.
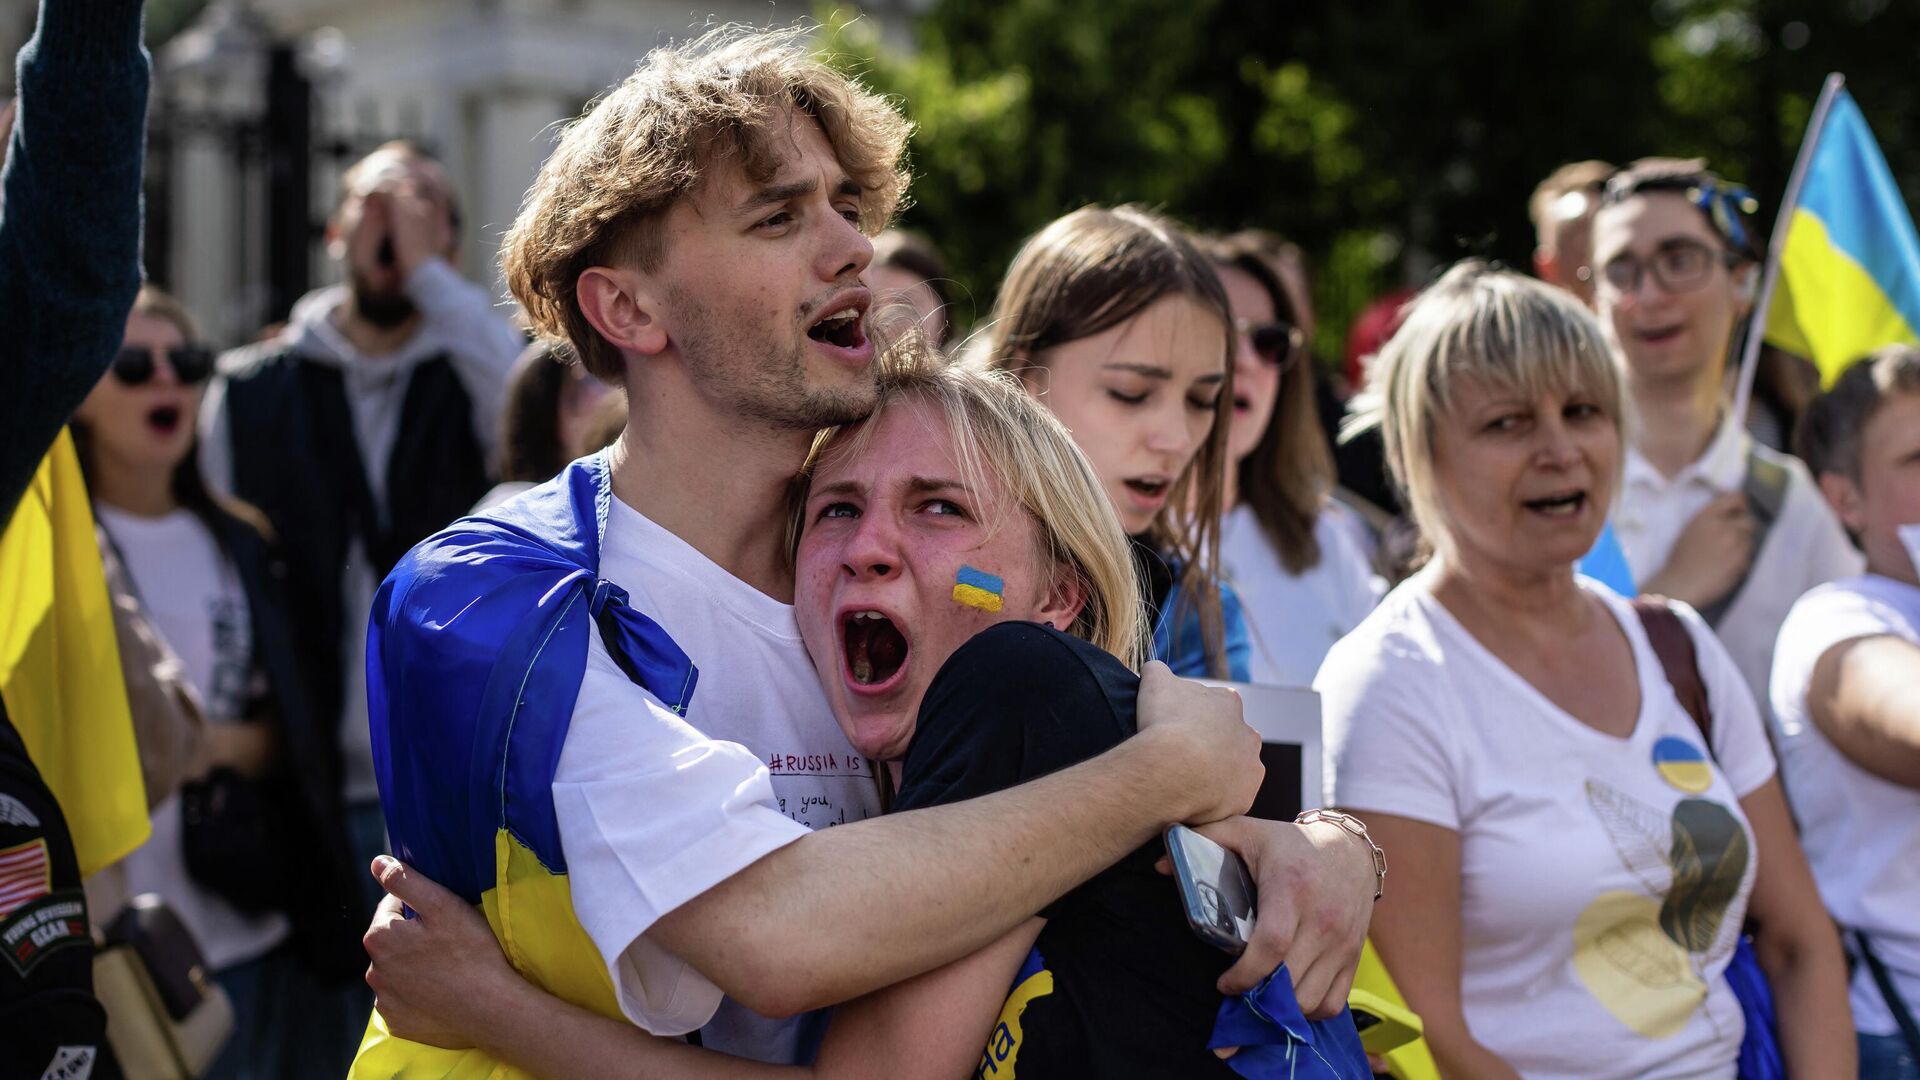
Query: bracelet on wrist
{"type": "Point", "coordinates": [1351, 825]}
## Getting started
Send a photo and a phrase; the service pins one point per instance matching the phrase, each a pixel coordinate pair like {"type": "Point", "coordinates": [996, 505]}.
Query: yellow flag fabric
{"type": "Point", "coordinates": [1850, 265]}
{"type": "Point", "coordinates": [60, 668]}
{"type": "Point", "coordinates": [1412, 1061]}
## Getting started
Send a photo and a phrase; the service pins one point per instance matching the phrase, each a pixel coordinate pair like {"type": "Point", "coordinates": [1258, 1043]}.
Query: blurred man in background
{"type": "Point", "coordinates": [1562, 211]}
{"type": "Point", "coordinates": [365, 426]}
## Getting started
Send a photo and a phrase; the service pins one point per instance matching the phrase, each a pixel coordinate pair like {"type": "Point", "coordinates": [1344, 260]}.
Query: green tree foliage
{"type": "Point", "coordinates": [1388, 138]}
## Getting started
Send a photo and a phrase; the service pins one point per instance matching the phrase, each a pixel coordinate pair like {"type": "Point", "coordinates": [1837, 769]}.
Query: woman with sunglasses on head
{"type": "Point", "coordinates": [1706, 515]}
{"type": "Point", "coordinates": [1302, 580]}
{"type": "Point", "coordinates": [1117, 323]}
{"type": "Point", "coordinates": [248, 853]}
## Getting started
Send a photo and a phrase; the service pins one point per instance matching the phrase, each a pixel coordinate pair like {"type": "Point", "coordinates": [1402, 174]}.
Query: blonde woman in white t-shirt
{"type": "Point", "coordinates": [1576, 865]}
{"type": "Point", "coordinates": [1303, 581]}
{"type": "Point", "coordinates": [1846, 675]}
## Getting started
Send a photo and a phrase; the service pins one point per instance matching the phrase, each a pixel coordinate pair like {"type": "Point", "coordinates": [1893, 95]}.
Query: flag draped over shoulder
{"type": "Point", "coordinates": [1850, 265]}
{"type": "Point", "coordinates": [60, 667]}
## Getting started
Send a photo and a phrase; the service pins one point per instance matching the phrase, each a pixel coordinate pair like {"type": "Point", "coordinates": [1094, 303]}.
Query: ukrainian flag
{"type": "Point", "coordinates": [60, 665]}
{"type": "Point", "coordinates": [1850, 267]}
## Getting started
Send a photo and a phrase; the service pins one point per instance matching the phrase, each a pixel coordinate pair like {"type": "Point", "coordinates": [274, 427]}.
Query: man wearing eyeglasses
{"type": "Point", "coordinates": [1707, 515]}
{"type": "Point", "coordinates": [369, 423]}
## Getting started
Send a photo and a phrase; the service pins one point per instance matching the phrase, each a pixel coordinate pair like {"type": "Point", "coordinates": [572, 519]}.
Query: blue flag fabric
{"type": "Point", "coordinates": [1850, 264]}
{"type": "Point", "coordinates": [1607, 564]}
{"type": "Point", "coordinates": [475, 652]}
{"type": "Point", "coordinates": [1277, 1040]}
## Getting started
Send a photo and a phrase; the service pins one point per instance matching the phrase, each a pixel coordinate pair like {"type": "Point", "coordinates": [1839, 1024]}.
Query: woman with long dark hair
{"type": "Point", "coordinates": [1303, 581]}
{"type": "Point", "coordinates": [249, 853]}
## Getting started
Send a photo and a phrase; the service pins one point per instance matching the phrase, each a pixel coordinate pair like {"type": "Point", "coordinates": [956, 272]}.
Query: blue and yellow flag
{"type": "Point", "coordinates": [60, 665]}
{"type": "Point", "coordinates": [1850, 266]}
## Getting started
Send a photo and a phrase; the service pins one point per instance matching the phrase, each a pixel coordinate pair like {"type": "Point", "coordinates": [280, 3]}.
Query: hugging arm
{"type": "Point", "coordinates": [442, 979]}
{"type": "Point", "coordinates": [933, 885]}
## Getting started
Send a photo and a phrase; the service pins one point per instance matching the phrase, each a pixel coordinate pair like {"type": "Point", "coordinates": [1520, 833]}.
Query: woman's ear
{"type": "Point", "coordinates": [621, 307]}
{"type": "Point", "coordinates": [1066, 599]}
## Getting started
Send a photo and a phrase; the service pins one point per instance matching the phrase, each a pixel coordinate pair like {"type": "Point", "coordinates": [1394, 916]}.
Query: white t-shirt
{"type": "Point", "coordinates": [1804, 547]}
{"type": "Point", "coordinates": [192, 594]}
{"type": "Point", "coordinates": [1861, 833]}
{"type": "Point", "coordinates": [1292, 620]}
{"type": "Point", "coordinates": [1568, 838]}
{"type": "Point", "coordinates": [655, 809]}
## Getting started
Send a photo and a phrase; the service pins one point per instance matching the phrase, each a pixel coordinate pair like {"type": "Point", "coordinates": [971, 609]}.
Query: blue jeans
{"type": "Point", "coordinates": [277, 1034]}
{"type": "Point", "coordinates": [1886, 1057]}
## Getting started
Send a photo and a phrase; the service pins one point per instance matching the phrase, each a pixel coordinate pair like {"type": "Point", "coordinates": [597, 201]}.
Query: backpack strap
{"type": "Point", "coordinates": [1673, 644]}
{"type": "Point", "coordinates": [1896, 1004]}
{"type": "Point", "coordinates": [1765, 486]}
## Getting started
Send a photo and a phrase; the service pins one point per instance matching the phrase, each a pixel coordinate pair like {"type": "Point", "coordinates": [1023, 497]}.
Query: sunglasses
{"type": "Point", "coordinates": [190, 363]}
{"type": "Point", "coordinates": [1278, 343]}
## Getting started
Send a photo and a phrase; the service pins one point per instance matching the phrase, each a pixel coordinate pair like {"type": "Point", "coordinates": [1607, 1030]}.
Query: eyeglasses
{"type": "Point", "coordinates": [1278, 342]}
{"type": "Point", "coordinates": [1679, 265]}
{"type": "Point", "coordinates": [191, 364]}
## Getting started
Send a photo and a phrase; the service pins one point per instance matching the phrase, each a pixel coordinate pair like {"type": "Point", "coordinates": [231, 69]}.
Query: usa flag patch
{"type": "Point", "coordinates": [25, 875]}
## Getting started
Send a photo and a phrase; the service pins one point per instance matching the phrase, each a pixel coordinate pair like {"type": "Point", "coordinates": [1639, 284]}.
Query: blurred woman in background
{"type": "Point", "coordinates": [1303, 581]}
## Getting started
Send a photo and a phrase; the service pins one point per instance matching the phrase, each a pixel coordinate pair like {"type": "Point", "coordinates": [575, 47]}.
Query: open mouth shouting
{"type": "Point", "coordinates": [1564, 505]}
{"type": "Point", "coordinates": [875, 651]}
{"type": "Point", "coordinates": [841, 327]}
{"type": "Point", "coordinates": [164, 420]}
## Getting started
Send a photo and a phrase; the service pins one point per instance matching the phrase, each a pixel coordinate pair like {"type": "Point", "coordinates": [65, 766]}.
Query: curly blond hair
{"type": "Point", "coordinates": [715, 101]}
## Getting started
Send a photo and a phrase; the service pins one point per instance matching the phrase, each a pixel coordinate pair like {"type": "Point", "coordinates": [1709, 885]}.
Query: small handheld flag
{"type": "Point", "coordinates": [977, 589]}
{"type": "Point", "coordinates": [1843, 273]}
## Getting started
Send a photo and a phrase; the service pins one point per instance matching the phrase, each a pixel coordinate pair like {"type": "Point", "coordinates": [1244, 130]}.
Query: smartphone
{"type": "Point", "coordinates": [1383, 1026]}
{"type": "Point", "coordinates": [1214, 889]}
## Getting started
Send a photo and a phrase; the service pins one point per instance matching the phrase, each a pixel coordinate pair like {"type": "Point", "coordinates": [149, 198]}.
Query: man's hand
{"type": "Point", "coordinates": [417, 222]}
{"type": "Point", "coordinates": [1209, 745]}
{"type": "Point", "coordinates": [438, 977]}
{"type": "Point", "coordinates": [1315, 889]}
{"type": "Point", "coordinates": [1712, 554]}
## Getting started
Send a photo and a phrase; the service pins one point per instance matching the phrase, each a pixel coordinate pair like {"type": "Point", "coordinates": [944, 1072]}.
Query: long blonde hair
{"type": "Point", "coordinates": [1092, 270]}
{"type": "Point", "coordinates": [998, 429]}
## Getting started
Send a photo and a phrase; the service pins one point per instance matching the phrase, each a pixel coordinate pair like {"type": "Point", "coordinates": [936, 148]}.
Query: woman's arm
{"type": "Point", "coordinates": [1416, 928]}
{"type": "Point", "coordinates": [1797, 946]}
{"type": "Point", "coordinates": [441, 979]}
{"type": "Point", "coordinates": [931, 1027]}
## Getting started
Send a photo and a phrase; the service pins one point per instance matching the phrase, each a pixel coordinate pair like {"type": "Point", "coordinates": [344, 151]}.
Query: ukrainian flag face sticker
{"type": "Point", "coordinates": [1682, 764]}
{"type": "Point", "coordinates": [977, 589]}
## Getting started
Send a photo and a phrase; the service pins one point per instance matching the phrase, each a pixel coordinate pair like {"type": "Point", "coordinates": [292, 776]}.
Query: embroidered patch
{"type": "Point", "coordinates": [71, 1063]}
{"type": "Point", "coordinates": [44, 926]}
{"type": "Point", "coordinates": [25, 874]}
{"type": "Point", "coordinates": [977, 589]}
{"type": "Point", "coordinates": [15, 812]}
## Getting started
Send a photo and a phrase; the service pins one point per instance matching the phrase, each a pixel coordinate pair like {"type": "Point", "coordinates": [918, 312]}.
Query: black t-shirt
{"type": "Point", "coordinates": [1131, 988]}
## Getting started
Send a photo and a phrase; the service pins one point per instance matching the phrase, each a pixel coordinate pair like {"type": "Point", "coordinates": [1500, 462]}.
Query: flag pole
{"type": "Point", "coordinates": [1776, 244]}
